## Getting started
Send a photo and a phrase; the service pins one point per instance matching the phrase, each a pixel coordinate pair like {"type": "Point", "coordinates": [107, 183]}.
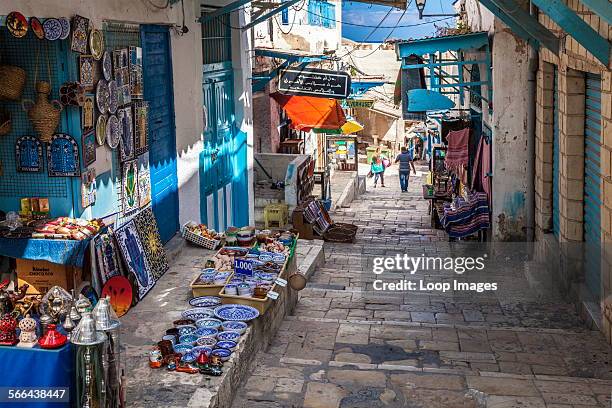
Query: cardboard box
{"type": "Point", "coordinates": [42, 275]}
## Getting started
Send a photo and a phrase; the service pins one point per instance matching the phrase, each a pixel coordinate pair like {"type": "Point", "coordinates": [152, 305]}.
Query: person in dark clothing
{"type": "Point", "coordinates": [405, 161]}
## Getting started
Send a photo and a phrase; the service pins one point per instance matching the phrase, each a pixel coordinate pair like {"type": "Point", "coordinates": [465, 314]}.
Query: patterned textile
{"type": "Point", "coordinates": [457, 153]}
{"type": "Point", "coordinates": [468, 218]}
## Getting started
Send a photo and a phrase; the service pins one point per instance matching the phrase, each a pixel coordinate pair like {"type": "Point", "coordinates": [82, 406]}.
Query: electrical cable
{"type": "Point", "coordinates": [370, 34]}
{"type": "Point", "coordinates": [386, 38]}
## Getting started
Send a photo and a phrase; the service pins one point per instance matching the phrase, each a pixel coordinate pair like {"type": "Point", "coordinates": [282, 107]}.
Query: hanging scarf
{"type": "Point", "coordinates": [482, 166]}
{"type": "Point", "coordinates": [457, 152]}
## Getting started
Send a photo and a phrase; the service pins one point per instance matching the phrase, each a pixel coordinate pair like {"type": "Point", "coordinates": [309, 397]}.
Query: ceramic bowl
{"type": "Point", "coordinates": [202, 349]}
{"type": "Point", "coordinates": [205, 301]}
{"type": "Point", "coordinates": [187, 329]}
{"type": "Point", "coordinates": [235, 326]}
{"type": "Point", "coordinates": [209, 323]}
{"type": "Point", "coordinates": [197, 313]}
{"type": "Point", "coordinates": [231, 289]}
{"type": "Point", "coordinates": [228, 336]}
{"type": "Point", "coordinates": [206, 341]}
{"type": "Point", "coordinates": [206, 332]}
{"type": "Point", "coordinates": [182, 348]}
{"type": "Point", "coordinates": [227, 344]}
{"type": "Point", "coordinates": [182, 322]}
{"type": "Point", "coordinates": [224, 354]}
{"type": "Point", "coordinates": [189, 357]}
{"type": "Point", "coordinates": [188, 339]}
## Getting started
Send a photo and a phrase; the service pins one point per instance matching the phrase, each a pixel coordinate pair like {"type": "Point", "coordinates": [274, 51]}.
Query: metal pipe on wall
{"type": "Point", "coordinates": [533, 60]}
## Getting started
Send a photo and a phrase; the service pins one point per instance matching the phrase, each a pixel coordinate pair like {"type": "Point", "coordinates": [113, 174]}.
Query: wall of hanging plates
{"type": "Point", "coordinates": [46, 60]}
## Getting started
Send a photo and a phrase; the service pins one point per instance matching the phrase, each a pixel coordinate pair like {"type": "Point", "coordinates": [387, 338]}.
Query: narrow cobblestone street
{"type": "Point", "coordinates": [349, 347]}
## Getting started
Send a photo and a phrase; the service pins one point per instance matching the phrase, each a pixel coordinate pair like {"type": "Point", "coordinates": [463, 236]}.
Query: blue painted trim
{"type": "Point", "coordinates": [569, 21]}
{"type": "Point", "coordinates": [269, 14]}
{"type": "Point", "coordinates": [444, 64]}
{"type": "Point", "coordinates": [442, 44]}
{"type": "Point", "coordinates": [223, 10]}
{"type": "Point", "coordinates": [603, 8]}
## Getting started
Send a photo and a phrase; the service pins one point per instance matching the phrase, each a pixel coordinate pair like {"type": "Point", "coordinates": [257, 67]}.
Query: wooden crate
{"type": "Point", "coordinates": [42, 275]}
{"type": "Point", "coordinates": [206, 290]}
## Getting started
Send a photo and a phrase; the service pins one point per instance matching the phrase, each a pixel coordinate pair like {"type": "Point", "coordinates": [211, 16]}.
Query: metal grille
{"type": "Point", "coordinates": [216, 40]}
{"type": "Point", "coordinates": [23, 52]}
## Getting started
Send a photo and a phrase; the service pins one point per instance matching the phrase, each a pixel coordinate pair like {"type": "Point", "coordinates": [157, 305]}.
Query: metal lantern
{"type": "Point", "coordinates": [107, 320]}
{"type": "Point", "coordinates": [420, 5]}
{"type": "Point", "coordinates": [90, 389]}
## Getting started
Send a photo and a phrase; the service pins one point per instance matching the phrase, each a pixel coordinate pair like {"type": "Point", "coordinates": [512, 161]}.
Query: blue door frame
{"type": "Point", "coordinates": [157, 77]}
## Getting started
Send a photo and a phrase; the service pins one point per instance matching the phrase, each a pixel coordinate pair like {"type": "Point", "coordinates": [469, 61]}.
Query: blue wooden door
{"type": "Point", "coordinates": [592, 180]}
{"type": "Point", "coordinates": [158, 91]}
{"type": "Point", "coordinates": [555, 170]}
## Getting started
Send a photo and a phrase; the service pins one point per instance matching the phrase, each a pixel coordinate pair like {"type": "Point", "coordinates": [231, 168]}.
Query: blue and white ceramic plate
{"type": "Point", "coordinates": [209, 323]}
{"type": "Point", "coordinates": [228, 336]}
{"type": "Point", "coordinates": [205, 301]}
{"type": "Point", "coordinates": [197, 313]}
{"type": "Point", "coordinates": [236, 312]}
{"type": "Point", "coordinates": [235, 326]}
{"type": "Point", "coordinates": [53, 29]}
{"type": "Point", "coordinates": [227, 344]}
{"type": "Point", "coordinates": [65, 23]}
{"type": "Point", "coordinates": [107, 66]}
{"type": "Point", "coordinates": [182, 348]}
{"type": "Point", "coordinates": [206, 332]}
{"type": "Point", "coordinates": [224, 354]}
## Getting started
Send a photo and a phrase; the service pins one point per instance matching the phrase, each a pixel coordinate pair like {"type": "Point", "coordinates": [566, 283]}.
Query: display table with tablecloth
{"type": "Point", "coordinates": [36, 368]}
{"type": "Point", "coordinates": [59, 251]}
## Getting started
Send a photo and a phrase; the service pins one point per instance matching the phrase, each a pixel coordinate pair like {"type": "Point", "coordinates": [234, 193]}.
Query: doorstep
{"type": "Point", "coordinates": [144, 325]}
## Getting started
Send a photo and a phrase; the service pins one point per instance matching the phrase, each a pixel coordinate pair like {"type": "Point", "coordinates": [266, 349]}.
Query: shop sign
{"type": "Point", "coordinates": [315, 82]}
{"type": "Point", "coordinates": [358, 103]}
{"type": "Point", "coordinates": [243, 267]}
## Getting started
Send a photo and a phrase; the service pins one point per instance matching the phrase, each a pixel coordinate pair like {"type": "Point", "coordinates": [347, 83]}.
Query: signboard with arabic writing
{"type": "Point", "coordinates": [315, 82]}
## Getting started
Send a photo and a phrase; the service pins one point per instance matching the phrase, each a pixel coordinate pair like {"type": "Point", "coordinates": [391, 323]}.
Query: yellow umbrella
{"type": "Point", "coordinates": [351, 126]}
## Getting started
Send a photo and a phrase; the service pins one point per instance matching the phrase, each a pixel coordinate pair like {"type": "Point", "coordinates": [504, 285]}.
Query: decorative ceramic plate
{"type": "Point", "coordinates": [53, 29]}
{"type": "Point", "coordinates": [17, 24]}
{"type": "Point", "coordinates": [206, 332]}
{"type": "Point", "coordinates": [236, 312]}
{"type": "Point", "coordinates": [113, 132]}
{"type": "Point", "coordinates": [65, 23]}
{"type": "Point", "coordinates": [37, 28]}
{"type": "Point", "coordinates": [113, 97]}
{"type": "Point", "coordinates": [209, 322]}
{"type": "Point", "coordinates": [107, 66]}
{"type": "Point", "coordinates": [235, 326]}
{"type": "Point", "coordinates": [102, 96]}
{"type": "Point", "coordinates": [205, 301]}
{"type": "Point", "coordinates": [228, 336]}
{"type": "Point", "coordinates": [101, 129]}
{"type": "Point", "coordinates": [197, 313]}
{"type": "Point", "coordinates": [96, 43]}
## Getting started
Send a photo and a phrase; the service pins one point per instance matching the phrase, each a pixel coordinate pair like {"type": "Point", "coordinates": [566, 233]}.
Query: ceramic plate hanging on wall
{"type": "Point", "coordinates": [89, 147]}
{"type": "Point", "coordinates": [28, 154]}
{"type": "Point", "coordinates": [107, 66]}
{"type": "Point", "coordinates": [102, 96]}
{"type": "Point", "coordinates": [17, 24]}
{"type": "Point", "coordinates": [53, 29]}
{"type": "Point", "coordinates": [80, 30]}
{"type": "Point", "coordinates": [37, 28]}
{"type": "Point", "coordinates": [86, 71]}
{"type": "Point", "coordinates": [101, 129]}
{"type": "Point", "coordinates": [63, 156]}
{"type": "Point", "coordinates": [65, 23]}
{"type": "Point", "coordinates": [96, 43]}
{"type": "Point", "coordinates": [113, 97]}
{"type": "Point", "coordinates": [113, 132]}
{"type": "Point", "coordinates": [126, 147]}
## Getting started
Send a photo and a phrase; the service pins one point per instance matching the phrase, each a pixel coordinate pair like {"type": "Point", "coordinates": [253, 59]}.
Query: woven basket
{"type": "Point", "coordinates": [5, 128]}
{"type": "Point", "coordinates": [12, 82]}
{"type": "Point", "coordinates": [198, 239]}
{"type": "Point", "coordinates": [44, 115]}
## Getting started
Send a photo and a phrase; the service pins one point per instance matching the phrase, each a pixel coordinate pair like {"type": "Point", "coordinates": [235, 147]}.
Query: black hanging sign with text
{"type": "Point", "coordinates": [315, 82]}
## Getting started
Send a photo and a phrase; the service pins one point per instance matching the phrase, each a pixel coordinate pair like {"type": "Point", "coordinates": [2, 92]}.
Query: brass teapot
{"type": "Point", "coordinates": [44, 114]}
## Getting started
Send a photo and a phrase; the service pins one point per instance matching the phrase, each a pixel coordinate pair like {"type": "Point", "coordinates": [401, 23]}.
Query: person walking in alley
{"type": "Point", "coordinates": [405, 160]}
{"type": "Point", "coordinates": [377, 168]}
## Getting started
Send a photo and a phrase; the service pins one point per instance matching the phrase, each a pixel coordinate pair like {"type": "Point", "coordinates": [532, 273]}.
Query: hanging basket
{"type": "Point", "coordinates": [44, 115]}
{"type": "Point", "coordinates": [5, 123]}
{"type": "Point", "coordinates": [12, 82]}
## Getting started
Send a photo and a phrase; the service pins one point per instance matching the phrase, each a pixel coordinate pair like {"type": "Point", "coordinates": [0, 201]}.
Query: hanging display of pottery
{"type": "Point", "coordinates": [37, 28]}
{"type": "Point", "coordinates": [126, 147]}
{"type": "Point", "coordinates": [144, 180]}
{"type": "Point", "coordinates": [72, 94]}
{"type": "Point", "coordinates": [113, 132]}
{"type": "Point", "coordinates": [107, 66]}
{"type": "Point", "coordinates": [53, 29]}
{"type": "Point", "coordinates": [136, 84]}
{"type": "Point", "coordinates": [102, 96]}
{"type": "Point", "coordinates": [141, 137]}
{"type": "Point", "coordinates": [28, 154]}
{"type": "Point", "coordinates": [65, 24]}
{"type": "Point", "coordinates": [63, 156]}
{"type": "Point", "coordinates": [119, 289]}
{"type": "Point", "coordinates": [17, 24]}
{"type": "Point", "coordinates": [87, 113]}
{"type": "Point", "coordinates": [133, 254]}
{"type": "Point", "coordinates": [86, 71]}
{"type": "Point", "coordinates": [106, 257]}
{"type": "Point", "coordinates": [113, 97]}
{"type": "Point", "coordinates": [89, 147]}
{"type": "Point", "coordinates": [44, 114]}
{"type": "Point", "coordinates": [101, 129]}
{"type": "Point", "coordinates": [129, 189]}
{"type": "Point", "coordinates": [96, 43]}
{"type": "Point", "coordinates": [151, 242]}
{"type": "Point", "coordinates": [88, 188]}
{"type": "Point", "coordinates": [80, 31]}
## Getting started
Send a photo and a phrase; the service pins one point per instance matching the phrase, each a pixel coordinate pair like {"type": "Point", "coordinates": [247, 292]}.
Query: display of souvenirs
{"type": "Point", "coordinates": [102, 96]}
{"type": "Point", "coordinates": [151, 242]}
{"type": "Point", "coordinates": [80, 30]}
{"type": "Point", "coordinates": [44, 114]}
{"type": "Point", "coordinates": [96, 43]}
{"type": "Point", "coordinates": [8, 330]}
{"type": "Point", "coordinates": [37, 28]}
{"type": "Point", "coordinates": [86, 71]}
{"type": "Point", "coordinates": [53, 29]}
{"type": "Point", "coordinates": [52, 339]}
{"type": "Point", "coordinates": [203, 231]}
{"type": "Point", "coordinates": [113, 132]}
{"type": "Point", "coordinates": [133, 254]}
{"type": "Point", "coordinates": [65, 24]}
{"type": "Point", "coordinates": [129, 190]}
{"type": "Point", "coordinates": [27, 336]}
{"type": "Point", "coordinates": [17, 24]}
{"type": "Point", "coordinates": [89, 147]}
{"type": "Point", "coordinates": [63, 156]}
{"type": "Point", "coordinates": [88, 188]}
{"type": "Point", "coordinates": [34, 207]}
{"type": "Point", "coordinates": [72, 94]}
{"type": "Point", "coordinates": [127, 133]}
{"type": "Point", "coordinates": [136, 84]}
{"type": "Point", "coordinates": [87, 113]}
{"type": "Point", "coordinates": [9, 299]}
{"type": "Point", "coordinates": [28, 154]}
{"type": "Point", "coordinates": [141, 137]}
{"type": "Point", "coordinates": [68, 228]}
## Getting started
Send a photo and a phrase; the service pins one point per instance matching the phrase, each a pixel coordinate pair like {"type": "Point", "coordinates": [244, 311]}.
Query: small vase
{"type": "Point", "coordinates": [44, 114]}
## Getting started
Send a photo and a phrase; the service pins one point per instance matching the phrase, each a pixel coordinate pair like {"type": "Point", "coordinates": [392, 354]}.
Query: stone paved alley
{"type": "Point", "coordinates": [349, 347]}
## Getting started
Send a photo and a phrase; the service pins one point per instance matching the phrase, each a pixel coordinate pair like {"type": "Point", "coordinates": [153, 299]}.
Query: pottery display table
{"type": "Point", "coordinates": [25, 369]}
